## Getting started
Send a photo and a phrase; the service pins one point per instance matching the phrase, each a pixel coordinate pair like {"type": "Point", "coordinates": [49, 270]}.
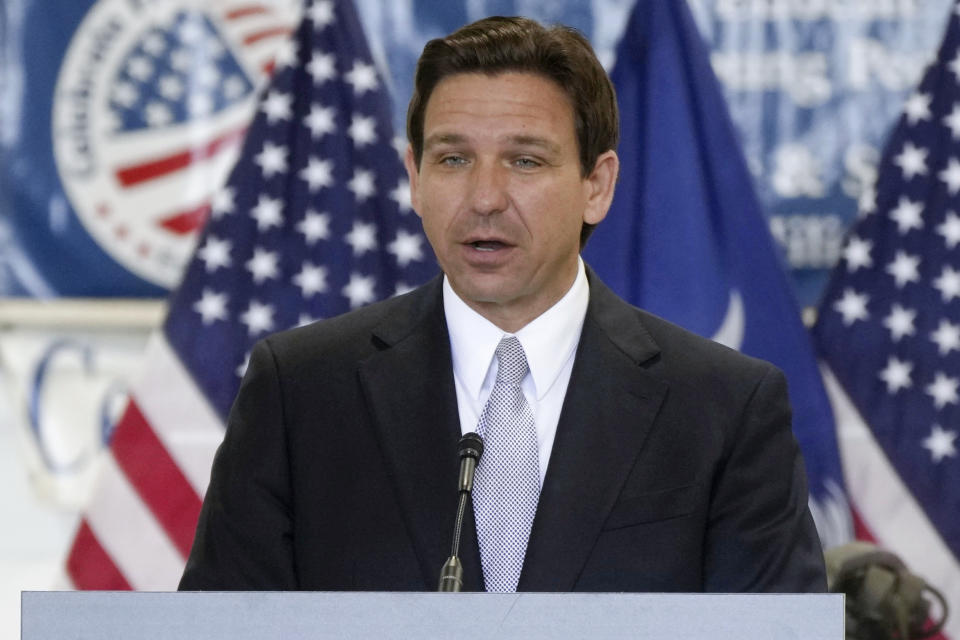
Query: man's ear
{"type": "Point", "coordinates": [600, 186]}
{"type": "Point", "coordinates": [413, 173]}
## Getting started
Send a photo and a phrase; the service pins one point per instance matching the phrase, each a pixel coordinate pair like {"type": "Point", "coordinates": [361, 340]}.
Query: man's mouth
{"type": "Point", "coordinates": [487, 245]}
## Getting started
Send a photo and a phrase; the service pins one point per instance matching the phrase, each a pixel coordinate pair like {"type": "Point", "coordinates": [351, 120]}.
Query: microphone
{"type": "Point", "coordinates": [470, 449]}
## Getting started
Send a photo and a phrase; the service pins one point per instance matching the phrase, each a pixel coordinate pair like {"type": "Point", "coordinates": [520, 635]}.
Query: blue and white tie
{"type": "Point", "coordinates": [507, 483]}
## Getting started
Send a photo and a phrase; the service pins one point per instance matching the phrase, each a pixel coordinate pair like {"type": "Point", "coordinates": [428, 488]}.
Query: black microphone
{"type": "Point", "coordinates": [470, 449]}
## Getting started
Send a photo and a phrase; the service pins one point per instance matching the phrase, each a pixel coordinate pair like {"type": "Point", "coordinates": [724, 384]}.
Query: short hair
{"type": "Point", "coordinates": [500, 44]}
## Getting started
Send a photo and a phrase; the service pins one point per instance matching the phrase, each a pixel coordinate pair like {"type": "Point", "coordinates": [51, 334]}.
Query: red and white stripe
{"type": "Point", "coordinates": [887, 509]}
{"type": "Point", "coordinates": [138, 529]}
{"type": "Point", "coordinates": [257, 27]}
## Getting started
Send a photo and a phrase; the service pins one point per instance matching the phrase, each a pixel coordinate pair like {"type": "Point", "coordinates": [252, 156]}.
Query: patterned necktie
{"type": "Point", "coordinates": [507, 484]}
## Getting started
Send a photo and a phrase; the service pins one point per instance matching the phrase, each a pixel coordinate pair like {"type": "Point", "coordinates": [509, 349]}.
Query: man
{"type": "Point", "coordinates": [621, 452]}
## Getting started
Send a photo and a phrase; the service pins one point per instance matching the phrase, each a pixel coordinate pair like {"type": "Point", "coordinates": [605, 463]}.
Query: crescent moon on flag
{"type": "Point", "coordinates": [734, 324]}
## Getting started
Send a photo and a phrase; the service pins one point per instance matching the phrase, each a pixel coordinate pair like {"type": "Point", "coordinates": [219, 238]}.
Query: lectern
{"type": "Point", "coordinates": [306, 615]}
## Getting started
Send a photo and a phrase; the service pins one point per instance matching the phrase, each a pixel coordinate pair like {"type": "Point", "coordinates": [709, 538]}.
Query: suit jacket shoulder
{"type": "Point", "coordinates": [352, 335]}
{"type": "Point", "coordinates": [338, 469]}
{"type": "Point", "coordinates": [697, 456]}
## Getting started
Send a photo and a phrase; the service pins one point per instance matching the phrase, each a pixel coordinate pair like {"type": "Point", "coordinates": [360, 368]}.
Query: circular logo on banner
{"type": "Point", "coordinates": [150, 108]}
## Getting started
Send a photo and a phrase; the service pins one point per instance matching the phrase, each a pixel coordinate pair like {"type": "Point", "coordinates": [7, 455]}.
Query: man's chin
{"type": "Point", "coordinates": [487, 294]}
{"type": "Point", "coordinates": [482, 288]}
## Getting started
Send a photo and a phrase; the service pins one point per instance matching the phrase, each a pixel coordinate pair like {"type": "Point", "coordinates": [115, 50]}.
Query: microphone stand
{"type": "Point", "coordinates": [470, 448]}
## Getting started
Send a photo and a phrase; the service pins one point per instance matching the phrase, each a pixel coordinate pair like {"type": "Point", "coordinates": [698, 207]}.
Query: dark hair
{"type": "Point", "coordinates": [498, 44]}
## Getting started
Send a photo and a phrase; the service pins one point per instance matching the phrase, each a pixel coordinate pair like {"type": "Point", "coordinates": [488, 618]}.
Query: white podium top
{"type": "Point", "coordinates": [527, 616]}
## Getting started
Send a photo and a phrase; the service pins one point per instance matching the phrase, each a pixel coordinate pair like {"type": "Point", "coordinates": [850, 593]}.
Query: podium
{"type": "Point", "coordinates": [266, 615]}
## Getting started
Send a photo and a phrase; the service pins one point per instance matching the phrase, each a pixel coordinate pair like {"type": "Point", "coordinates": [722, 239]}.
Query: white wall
{"type": "Point", "coordinates": [91, 351]}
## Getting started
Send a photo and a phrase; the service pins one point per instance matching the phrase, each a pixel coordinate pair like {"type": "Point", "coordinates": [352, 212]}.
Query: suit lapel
{"type": "Point", "coordinates": [608, 411]}
{"type": "Point", "coordinates": [409, 387]}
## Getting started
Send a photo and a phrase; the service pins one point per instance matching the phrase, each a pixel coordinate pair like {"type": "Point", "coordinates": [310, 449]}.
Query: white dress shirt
{"type": "Point", "coordinates": [550, 343]}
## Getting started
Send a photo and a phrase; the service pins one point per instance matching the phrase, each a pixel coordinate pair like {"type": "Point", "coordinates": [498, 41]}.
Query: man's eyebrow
{"type": "Point", "coordinates": [443, 138]}
{"type": "Point", "coordinates": [536, 141]}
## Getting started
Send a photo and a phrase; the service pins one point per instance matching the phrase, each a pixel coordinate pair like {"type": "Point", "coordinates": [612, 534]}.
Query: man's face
{"type": "Point", "coordinates": [500, 192]}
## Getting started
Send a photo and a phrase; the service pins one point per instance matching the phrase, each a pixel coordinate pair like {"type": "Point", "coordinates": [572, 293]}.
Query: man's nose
{"type": "Point", "coordinates": [488, 188]}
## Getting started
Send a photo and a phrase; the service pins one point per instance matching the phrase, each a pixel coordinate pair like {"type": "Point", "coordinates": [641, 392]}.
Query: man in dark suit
{"type": "Point", "coordinates": [625, 455]}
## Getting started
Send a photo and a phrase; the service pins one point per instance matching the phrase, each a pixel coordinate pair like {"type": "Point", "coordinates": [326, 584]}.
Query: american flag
{"type": "Point", "coordinates": [314, 220]}
{"type": "Point", "coordinates": [889, 330]}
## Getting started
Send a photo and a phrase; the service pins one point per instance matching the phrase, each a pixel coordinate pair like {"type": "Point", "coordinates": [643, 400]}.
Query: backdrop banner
{"type": "Point", "coordinates": [121, 117]}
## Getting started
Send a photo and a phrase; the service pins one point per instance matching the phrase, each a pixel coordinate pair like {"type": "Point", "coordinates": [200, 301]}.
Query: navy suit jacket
{"type": "Point", "coordinates": [674, 466]}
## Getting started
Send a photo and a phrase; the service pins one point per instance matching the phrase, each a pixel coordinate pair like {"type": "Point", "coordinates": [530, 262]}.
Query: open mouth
{"type": "Point", "coordinates": [487, 245]}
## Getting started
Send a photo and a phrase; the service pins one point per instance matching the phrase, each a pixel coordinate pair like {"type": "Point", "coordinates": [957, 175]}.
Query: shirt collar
{"type": "Point", "coordinates": [548, 340]}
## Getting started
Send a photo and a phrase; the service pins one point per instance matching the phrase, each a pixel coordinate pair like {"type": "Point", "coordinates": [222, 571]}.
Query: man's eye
{"type": "Point", "coordinates": [526, 163]}
{"type": "Point", "coordinates": [453, 161]}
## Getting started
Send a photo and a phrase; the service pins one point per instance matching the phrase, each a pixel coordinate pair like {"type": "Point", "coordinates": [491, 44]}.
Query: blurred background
{"type": "Point", "coordinates": [121, 121]}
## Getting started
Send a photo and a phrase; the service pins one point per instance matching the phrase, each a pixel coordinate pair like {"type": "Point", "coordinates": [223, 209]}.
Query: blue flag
{"type": "Point", "coordinates": [686, 238]}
